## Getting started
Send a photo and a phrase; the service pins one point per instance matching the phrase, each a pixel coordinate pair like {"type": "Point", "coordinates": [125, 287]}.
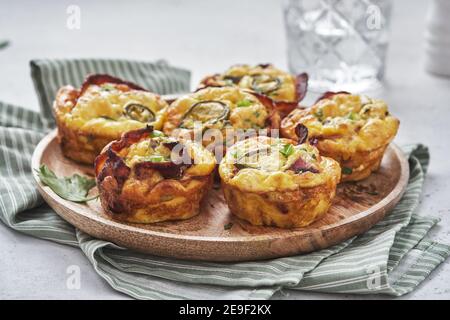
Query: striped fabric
{"type": "Point", "coordinates": [392, 258]}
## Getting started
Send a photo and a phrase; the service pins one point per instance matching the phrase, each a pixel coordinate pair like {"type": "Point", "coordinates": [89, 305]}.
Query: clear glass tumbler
{"type": "Point", "coordinates": [341, 44]}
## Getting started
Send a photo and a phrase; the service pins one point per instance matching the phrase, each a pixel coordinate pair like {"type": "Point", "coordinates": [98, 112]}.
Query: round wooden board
{"type": "Point", "coordinates": [356, 208]}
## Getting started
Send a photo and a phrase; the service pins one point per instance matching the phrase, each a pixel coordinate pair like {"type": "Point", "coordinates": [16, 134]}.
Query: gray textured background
{"type": "Point", "coordinates": [205, 36]}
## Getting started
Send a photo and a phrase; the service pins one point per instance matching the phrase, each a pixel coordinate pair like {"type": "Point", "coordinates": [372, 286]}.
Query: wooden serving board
{"type": "Point", "coordinates": [356, 208]}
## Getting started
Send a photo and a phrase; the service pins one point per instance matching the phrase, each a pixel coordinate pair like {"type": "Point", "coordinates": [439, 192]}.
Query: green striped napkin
{"type": "Point", "coordinates": [392, 258]}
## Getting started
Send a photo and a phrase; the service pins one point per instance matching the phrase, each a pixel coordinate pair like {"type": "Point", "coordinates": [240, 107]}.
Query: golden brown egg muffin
{"type": "Point", "coordinates": [99, 112]}
{"type": "Point", "coordinates": [352, 129]}
{"type": "Point", "coordinates": [284, 89]}
{"type": "Point", "coordinates": [226, 109]}
{"type": "Point", "coordinates": [276, 182]}
{"type": "Point", "coordinates": [147, 177]}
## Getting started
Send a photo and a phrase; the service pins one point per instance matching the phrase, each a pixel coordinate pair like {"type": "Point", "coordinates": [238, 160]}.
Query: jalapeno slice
{"type": "Point", "coordinates": [244, 161]}
{"type": "Point", "coordinates": [139, 112]}
{"type": "Point", "coordinates": [207, 112]}
{"type": "Point", "coordinates": [265, 84]}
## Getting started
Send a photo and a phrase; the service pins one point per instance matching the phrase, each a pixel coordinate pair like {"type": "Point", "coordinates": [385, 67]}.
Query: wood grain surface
{"type": "Point", "coordinates": [356, 208]}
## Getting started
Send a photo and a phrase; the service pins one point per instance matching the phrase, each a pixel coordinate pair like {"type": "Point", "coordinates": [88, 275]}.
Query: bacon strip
{"type": "Point", "coordinates": [167, 169]}
{"type": "Point", "coordinates": [301, 166]}
{"type": "Point", "coordinates": [301, 85]}
{"type": "Point", "coordinates": [99, 79]}
{"type": "Point", "coordinates": [109, 163]}
{"type": "Point", "coordinates": [329, 94]}
{"type": "Point", "coordinates": [302, 133]}
{"type": "Point", "coordinates": [264, 65]}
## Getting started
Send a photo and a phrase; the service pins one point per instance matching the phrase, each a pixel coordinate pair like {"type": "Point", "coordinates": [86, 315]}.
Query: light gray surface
{"type": "Point", "coordinates": [205, 36]}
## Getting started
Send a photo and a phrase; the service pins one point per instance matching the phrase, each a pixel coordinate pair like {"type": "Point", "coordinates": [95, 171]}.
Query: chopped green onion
{"type": "Point", "coordinates": [352, 116]}
{"type": "Point", "coordinates": [228, 226]}
{"type": "Point", "coordinates": [244, 103]}
{"type": "Point", "coordinates": [155, 158]}
{"type": "Point", "coordinates": [108, 87]}
{"type": "Point", "coordinates": [287, 150]}
{"type": "Point", "coordinates": [346, 170]}
{"type": "Point", "coordinates": [319, 114]}
{"type": "Point", "coordinates": [157, 133]}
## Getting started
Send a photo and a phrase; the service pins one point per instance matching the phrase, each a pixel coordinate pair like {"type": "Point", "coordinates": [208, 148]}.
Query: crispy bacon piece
{"type": "Point", "coordinates": [170, 145]}
{"type": "Point", "coordinates": [99, 79]}
{"type": "Point", "coordinates": [264, 65]}
{"type": "Point", "coordinates": [71, 94]}
{"type": "Point", "coordinates": [329, 94]}
{"type": "Point", "coordinates": [131, 137]}
{"type": "Point", "coordinates": [136, 193]}
{"type": "Point", "coordinates": [313, 141]}
{"type": "Point", "coordinates": [302, 133]}
{"type": "Point", "coordinates": [108, 163]}
{"type": "Point", "coordinates": [274, 118]}
{"type": "Point", "coordinates": [284, 107]}
{"type": "Point", "coordinates": [301, 85]}
{"type": "Point", "coordinates": [301, 165]}
{"type": "Point", "coordinates": [167, 169]}
{"type": "Point", "coordinates": [210, 81]}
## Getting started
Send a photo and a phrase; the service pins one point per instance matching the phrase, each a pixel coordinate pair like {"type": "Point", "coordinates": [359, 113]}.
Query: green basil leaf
{"type": "Point", "coordinates": [74, 188]}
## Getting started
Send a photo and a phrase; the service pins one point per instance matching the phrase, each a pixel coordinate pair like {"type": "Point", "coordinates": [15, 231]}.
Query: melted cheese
{"type": "Point", "coordinates": [269, 169]}
{"type": "Point", "coordinates": [100, 110]}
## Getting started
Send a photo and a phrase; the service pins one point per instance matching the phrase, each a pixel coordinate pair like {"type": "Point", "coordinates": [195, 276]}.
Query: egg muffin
{"type": "Point", "coordinates": [276, 182]}
{"type": "Point", "coordinates": [226, 109]}
{"type": "Point", "coordinates": [100, 111]}
{"type": "Point", "coordinates": [284, 89]}
{"type": "Point", "coordinates": [355, 130]}
{"type": "Point", "coordinates": [147, 177]}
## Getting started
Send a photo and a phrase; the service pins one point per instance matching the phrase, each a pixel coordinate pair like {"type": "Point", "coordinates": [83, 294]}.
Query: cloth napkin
{"type": "Point", "coordinates": [392, 258]}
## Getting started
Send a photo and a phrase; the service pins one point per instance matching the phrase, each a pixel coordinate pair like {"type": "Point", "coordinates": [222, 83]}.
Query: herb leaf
{"type": "Point", "coordinates": [346, 170]}
{"type": "Point", "coordinates": [4, 43]}
{"type": "Point", "coordinates": [155, 158]}
{"type": "Point", "coordinates": [287, 150]}
{"type": "Point", "coordinates": [244, 103]}
{"type": "Point", "coordinates": [228, 226]}
{"type": "Point", "coordinates": [319, 114]}
{"type": "Point", "coordinates": [108, 87]}
{"type": "Point", "coordinates": [157, 133]}
{"type": "Point", "coordinates": [74, 188]}
{"type": "Point", "coordinates": [352, 115]}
